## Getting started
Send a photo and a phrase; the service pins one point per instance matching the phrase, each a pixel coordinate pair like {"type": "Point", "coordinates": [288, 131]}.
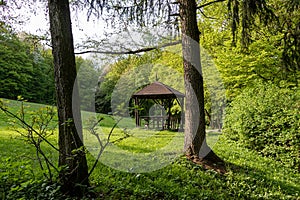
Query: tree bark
{"type": "Point", "coordinates": [195, 145]}
{"type": "Point", "coordinates": [72, 156]}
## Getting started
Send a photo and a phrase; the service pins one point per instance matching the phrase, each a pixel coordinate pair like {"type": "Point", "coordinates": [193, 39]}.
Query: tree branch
{"type": "Point", "coordinates": [206, 15]}
{"type": "Point", "coordinates": [102, 147]}
{"type": "Point", "coordinates": [130, 51]}
{"type": "Point", "coordinates": [209, 3]}
{"type": "Point", "coordinates": [175, 15]}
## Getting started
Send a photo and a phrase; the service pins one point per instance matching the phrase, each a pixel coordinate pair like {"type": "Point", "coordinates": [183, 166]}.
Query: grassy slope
{"type": "Point", "coordinates": [249, 176]}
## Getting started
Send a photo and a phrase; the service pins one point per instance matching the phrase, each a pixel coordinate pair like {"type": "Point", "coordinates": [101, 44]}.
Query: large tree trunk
{"type": "Point", "coordinates": [71, 156]}
{"type": "Point", "coordinates": [195, 145]}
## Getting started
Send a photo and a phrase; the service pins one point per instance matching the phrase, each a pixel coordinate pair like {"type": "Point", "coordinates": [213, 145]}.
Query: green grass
{"type": "Point", "coordinates": [15, 107]}
{"type": "Point", "coordinates": [168, 175]}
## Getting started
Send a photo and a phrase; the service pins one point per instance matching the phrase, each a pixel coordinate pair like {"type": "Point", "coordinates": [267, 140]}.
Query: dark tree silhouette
{"type": "Point", "coordinates": [72, 157]}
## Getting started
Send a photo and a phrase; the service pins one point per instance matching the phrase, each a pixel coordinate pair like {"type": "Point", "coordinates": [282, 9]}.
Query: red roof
{"type": "Point", "coordinates": [158, 90]}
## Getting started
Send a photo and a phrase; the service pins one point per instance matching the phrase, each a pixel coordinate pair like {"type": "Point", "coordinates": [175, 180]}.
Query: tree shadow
{"type": "Point", "coordinates": [263, 179]}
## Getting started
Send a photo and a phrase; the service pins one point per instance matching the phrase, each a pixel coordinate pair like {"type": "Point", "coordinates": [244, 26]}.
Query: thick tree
{"type": "Point", "coordinates": [195, 145]}
{"type": "Point", "coordinates": [194, 92]}
{"type": "Point", "coordinates": [72, 156]}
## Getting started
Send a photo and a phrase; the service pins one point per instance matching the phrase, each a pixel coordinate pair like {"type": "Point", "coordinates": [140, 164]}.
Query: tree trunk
{"type": "Point", "coordinates": [195, 145]}
{"type": "Point", "coordinates": [72, 157]}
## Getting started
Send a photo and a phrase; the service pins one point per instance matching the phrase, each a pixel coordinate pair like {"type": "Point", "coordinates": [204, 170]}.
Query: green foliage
{"type": "Point", "coordinates": [127, 73]}
{"type": "Point", "coordinates": [15, 65]}
{"type": "Point", "coordinates": [21, 177]}
{"type": "Point", "coordinates": [271, 54]}
{"type": "Point", "coordinates": [87, 77]}
{"type": "Point", "coordinates": [288, 16]}
{"type": "Point", "coordinates": [266, 118]}
{"type": "Point", "coordinates": [41, 88]}
{"type": "Point", "coordinates": [262, 62]}
{"type": "Point", "coordinates": [25, 68]}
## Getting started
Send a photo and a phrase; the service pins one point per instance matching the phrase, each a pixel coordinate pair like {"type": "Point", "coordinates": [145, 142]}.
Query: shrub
{"type": "Point", "coordinates": [266, 118]}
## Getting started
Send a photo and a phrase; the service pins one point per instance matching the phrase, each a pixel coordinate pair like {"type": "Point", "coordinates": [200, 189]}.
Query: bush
{"type": "Point", "coordinates": [266, 118]}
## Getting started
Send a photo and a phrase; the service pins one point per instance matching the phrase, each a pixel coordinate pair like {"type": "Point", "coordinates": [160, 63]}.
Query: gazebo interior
{"type": "Point", "coordinates": [153, 105]}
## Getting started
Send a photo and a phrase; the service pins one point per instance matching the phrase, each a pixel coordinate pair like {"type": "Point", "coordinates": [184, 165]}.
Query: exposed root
{"type": "Point", "coordinates": [210, 162]}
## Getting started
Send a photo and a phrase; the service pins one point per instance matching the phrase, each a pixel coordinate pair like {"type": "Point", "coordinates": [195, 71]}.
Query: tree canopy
{"type": "Point", "coordinates": [26, 68]}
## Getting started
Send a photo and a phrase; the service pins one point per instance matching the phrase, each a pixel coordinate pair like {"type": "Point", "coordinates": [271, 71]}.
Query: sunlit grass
{"type": "Point", "coordinates": [156, 165]}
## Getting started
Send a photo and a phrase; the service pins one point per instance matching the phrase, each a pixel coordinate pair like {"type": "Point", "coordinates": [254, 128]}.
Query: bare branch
{"type": "Point", "coordinates": [175, 15]}
{"type": "Point", "coordinates": [102, 147]}
{"type": "Point", "coordinates": [209, 3]}
{"type": "Point", "coordinates": [206, 15]}
{"type": "Point", "coordinates": [131, 51]}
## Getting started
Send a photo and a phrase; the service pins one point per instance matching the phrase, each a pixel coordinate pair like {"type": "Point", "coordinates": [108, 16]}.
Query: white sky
{"type": "Point", "coordinates": [37, 23]}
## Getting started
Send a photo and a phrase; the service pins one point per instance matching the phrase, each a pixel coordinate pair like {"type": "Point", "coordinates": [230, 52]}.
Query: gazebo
{"type": "Point", "coordinates": [164, 96]}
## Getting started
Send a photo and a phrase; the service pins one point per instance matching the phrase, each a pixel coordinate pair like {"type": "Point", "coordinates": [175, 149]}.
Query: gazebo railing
{"type": "Point", "coordinates": [160, 122]}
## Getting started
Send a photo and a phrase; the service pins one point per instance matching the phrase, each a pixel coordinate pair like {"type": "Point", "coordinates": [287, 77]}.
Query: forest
{"type": "Point", "coordinates": [67, 113]}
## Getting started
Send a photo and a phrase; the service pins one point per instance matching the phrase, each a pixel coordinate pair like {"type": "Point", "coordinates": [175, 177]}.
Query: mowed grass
{"type": "Point", "coordinates": [148, 164]}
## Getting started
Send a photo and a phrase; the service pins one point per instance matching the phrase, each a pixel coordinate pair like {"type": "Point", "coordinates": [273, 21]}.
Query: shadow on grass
{"type": "Point", "coordinates": [260, 178]}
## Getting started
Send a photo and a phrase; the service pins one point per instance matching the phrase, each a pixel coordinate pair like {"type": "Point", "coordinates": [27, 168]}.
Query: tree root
{"type": "Point", "coordinates": [210, 162]}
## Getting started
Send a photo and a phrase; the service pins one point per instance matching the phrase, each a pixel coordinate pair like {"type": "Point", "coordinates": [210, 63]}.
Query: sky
{"type": "Point", "coordinates": [36, 22]}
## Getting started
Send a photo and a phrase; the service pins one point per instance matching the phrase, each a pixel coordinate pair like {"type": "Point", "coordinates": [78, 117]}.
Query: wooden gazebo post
{"type": "Point", "coordinates": [169, 112]}
{"type": "Point", "coordinates": [182, 113]}
{"type": "Point", "coordinates": [136, 112]}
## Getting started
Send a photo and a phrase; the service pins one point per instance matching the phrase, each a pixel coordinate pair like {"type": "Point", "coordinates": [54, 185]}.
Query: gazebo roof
{"type": "Point", "coordinates": [158, 90]}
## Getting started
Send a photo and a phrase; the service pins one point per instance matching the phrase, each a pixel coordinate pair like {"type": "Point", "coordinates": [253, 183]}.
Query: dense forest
{"type": "Point", "coordinates": [27, 68]}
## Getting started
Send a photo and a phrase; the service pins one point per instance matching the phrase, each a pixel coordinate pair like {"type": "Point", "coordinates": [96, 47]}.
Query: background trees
{"type": "Point", "coordinates": [16, 66]}
{"type": "Point", "coordinates": [26, 67]}
{"type": "Point", "coordinates": [87, 76]}
{"type": "Point", "coordinates": [264, 58]}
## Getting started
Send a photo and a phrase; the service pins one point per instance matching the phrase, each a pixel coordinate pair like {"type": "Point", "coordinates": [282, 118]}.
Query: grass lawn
{"type": "Point", "coordinates": [147, 165]}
